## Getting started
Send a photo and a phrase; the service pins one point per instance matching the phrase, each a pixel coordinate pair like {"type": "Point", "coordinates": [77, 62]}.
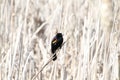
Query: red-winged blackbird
{"type": "Point", "coordinates": [56, 43]}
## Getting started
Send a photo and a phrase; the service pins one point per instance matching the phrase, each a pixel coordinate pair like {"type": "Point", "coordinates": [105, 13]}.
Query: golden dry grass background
{"type": "Point", "coordinates": [91, 29]}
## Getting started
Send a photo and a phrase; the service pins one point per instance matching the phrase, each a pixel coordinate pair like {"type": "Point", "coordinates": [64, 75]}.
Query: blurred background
{"type": "Point", "coordinates": [91, 29]}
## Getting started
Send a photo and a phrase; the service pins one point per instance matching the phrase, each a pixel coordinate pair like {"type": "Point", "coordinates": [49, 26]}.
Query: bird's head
{"type": "Point", "coordinates": [59, 35]}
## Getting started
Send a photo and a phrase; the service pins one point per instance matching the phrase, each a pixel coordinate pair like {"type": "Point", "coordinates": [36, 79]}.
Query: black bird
{"type": "Point", "coordinates": [56, 43]}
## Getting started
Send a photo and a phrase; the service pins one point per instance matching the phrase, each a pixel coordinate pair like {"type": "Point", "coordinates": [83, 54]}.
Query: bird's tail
{"type": "Point", "coordinates": [54, 57]}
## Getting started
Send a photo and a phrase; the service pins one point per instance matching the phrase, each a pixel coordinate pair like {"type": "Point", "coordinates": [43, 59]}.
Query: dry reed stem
{"type": "Point", "coordinates": [51, 58]}
{"type": "Point", "coordinates": [43, 67]}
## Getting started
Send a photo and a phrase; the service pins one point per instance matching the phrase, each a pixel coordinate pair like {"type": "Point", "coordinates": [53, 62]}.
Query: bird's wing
{"type": "Point", "coordinates": [54, 40]}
